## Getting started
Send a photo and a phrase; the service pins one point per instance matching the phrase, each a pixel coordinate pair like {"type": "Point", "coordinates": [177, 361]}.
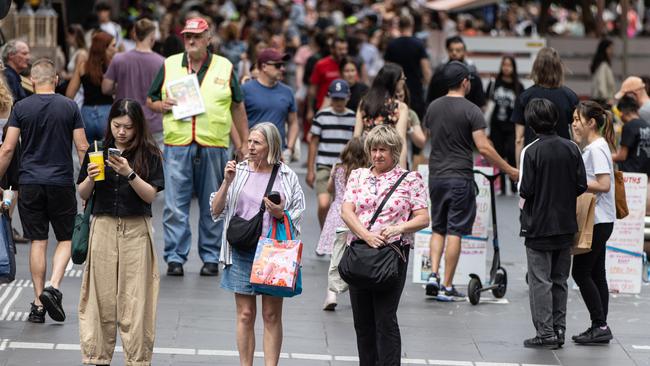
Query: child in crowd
{"type": "Point", "coordinates": [552, 176]}
{"type": "Point", "coordinates": [332, 127]}
{"type": "Point", "coordinates": [333, 237]}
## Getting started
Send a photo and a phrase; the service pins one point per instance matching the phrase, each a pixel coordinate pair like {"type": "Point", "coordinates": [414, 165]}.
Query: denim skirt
{"type": "Point", "coordinates": [236, 277]}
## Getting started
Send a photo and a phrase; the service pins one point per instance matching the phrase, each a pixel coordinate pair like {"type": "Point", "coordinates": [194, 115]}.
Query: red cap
{"type": "Point", "coordinates": [271, 55]}
{"type": "Point", "coordinates": [195, 25]}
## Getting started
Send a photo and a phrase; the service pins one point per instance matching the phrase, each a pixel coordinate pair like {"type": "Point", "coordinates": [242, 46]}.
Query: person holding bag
{"type": "Point", "coordinates": [594, 132]}
{"type": "Point", "coordinates": [120, 284]}
{"type": "Point", "coordinates": [247, 194]}
{"type": "Point", "coordinates": [393, 224]}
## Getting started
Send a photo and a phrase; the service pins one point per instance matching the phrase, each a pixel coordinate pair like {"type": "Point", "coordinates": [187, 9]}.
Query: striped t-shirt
{"type": "Point", "coordinates": [334, 130]}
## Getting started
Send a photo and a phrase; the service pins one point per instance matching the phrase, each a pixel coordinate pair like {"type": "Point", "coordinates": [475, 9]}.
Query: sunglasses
{"type": "Point", "coordinates": [277, 65]}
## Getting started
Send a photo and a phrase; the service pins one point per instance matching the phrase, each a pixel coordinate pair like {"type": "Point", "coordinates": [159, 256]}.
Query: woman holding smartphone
{"type": "Point", "coordinates": [121, 279]}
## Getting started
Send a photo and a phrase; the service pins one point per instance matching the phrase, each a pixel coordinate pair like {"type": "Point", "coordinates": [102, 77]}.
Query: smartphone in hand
{"type": "Point", "coordinates": [274, 197]}
{"type": "Point", "coordinates": [114, 152]}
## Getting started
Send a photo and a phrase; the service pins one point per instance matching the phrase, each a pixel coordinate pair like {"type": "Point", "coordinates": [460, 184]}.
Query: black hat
{"type": "Point", "coordinates": [455, 71]}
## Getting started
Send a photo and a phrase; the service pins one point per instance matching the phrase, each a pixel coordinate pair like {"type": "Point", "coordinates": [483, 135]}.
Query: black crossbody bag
{"type": "Point", "coordinates": [244, 234]}
{"type": "Point", "coordinates": [371, 268]}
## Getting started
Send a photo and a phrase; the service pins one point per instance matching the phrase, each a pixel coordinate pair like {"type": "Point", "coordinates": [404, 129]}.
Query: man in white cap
{"type": "Point", "coordinates": [196, 147]}
{"type": "Point", "coordinates": [634, 87]}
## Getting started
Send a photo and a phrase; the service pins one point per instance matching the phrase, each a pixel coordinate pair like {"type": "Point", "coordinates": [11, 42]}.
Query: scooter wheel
{"type": "Point", "coordinates": [474, 291]}
{"type": "Point", "coordinates": [500, 279]}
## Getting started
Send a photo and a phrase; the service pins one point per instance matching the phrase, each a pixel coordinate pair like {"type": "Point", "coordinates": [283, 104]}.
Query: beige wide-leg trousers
{"type": "Point", "coordinates": [119, 290]}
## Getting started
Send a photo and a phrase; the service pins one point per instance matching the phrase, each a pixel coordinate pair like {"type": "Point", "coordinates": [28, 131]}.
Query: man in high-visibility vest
{"type": "Point", "coordinates": [196, 147]}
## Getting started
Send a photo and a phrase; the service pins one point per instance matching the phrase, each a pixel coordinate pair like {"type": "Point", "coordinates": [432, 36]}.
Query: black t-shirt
{"type": "Point", "coordinates": [357, 91]}
{"type": "Point", "coordinates": [46, 123]}
{"type": "Point", "coordinates": [438, 87]}
{"type": "Point", "coordinates": [565, 101]}
{"type": "Point", "coordinates": [408, 52]}
{"type": "Point", "coordinates": [451, 122]}
{"type": "Point", "coordinates": [93, 93]}
{"type": "Point", "coordinates": [114, 196]}
{"type": "Point", "coordinates": [636, 137]}
{"type": "Point", "coordinates": [504, 95]}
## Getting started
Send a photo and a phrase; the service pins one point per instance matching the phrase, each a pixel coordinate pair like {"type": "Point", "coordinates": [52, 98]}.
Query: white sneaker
{"type": "Point", "coordinates": [330, 301]}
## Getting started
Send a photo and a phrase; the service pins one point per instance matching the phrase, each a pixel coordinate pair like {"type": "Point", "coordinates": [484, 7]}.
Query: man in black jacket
{"type": "Point", "coordinates": [552, 177]}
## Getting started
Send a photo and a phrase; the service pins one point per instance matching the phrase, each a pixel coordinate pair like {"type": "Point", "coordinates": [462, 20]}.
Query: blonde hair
{"type": "Point", "coordinates": [6, 98]}
{"type": "Point", "coordinates": [43, 72]}
{"type": "Point", "coordinates": [384, 135]}
{"type": "Point", "coordinates": [272, 136]}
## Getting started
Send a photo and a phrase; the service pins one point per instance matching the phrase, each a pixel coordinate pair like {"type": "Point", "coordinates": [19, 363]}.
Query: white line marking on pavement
{"type": "Point", "coordinates": [7, 343]}
{"type": "Point", "coordinates": [346, 358]}
{"type": "Point", "coordinates": [311, 356]}
{"type": "Point", "coordinates": [414, 361]}
{"type": "Point", "coordinates": [174, 351]}
{"type": "Point", "coordinates": [450, 363]}
{"type": "Point", "coordinates": [645, 348]}
{"type": "Point", "coordinates": [6, 293]}
{"type": "Point", "coordinates": [31, 345]}
{"type": "Point", "coordinates": [9, 303]}
{"type": "Point", "coordinates": [68, 347]}
{"type": "Point", "coordinates": [25, 316]}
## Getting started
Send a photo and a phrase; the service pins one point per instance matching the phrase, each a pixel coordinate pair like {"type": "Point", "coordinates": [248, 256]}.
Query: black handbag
{"type": "Point", "coordinates": [365, 267]}
{"type": "Point", "coordinates": [243, 234]}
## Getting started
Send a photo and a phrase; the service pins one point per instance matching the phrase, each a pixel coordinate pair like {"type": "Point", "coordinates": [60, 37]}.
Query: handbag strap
{"type": "Point", "coordinates": [276, 167]}
{"type": "Point", "coordinates": [383, 203]}
{"type": "Point", "coordinates": [89, 206]}
{"type": "Point", "coordinates": [287, 227]}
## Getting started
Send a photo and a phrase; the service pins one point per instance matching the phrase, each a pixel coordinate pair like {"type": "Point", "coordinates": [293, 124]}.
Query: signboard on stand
{"type": "Point", "coordinates": [473, 248]}
{"type": "Point", "coordinates": [624, 261]}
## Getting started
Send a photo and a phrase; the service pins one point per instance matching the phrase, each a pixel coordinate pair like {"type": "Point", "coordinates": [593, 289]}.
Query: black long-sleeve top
{"type": "Point", "coordinates": [552, 176]}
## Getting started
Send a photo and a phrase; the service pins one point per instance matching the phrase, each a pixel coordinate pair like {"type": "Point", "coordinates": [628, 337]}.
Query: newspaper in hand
{"type": "Point", "coordinates": [185, 91]}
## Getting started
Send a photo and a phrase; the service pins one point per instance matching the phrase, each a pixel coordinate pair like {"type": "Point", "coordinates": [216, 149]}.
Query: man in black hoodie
{"type": "Point", "coordinates": [552, 176]}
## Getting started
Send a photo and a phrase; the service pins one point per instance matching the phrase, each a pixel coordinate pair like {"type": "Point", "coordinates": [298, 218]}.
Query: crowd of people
{"type": "Point", "coordinates": [365, 105]}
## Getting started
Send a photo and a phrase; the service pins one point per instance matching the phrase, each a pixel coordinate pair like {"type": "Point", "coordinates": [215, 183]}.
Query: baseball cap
{"type": "Point", "coordinates": [454, 72]}
{"type": "Point", "coordinates": [338, 89]}
{"type": "Point", "coordinates": [632, 83]}
{"type": "Point", "coordinates": [271, 55]}
{"type": "Point", "coordinates": [195, 25]}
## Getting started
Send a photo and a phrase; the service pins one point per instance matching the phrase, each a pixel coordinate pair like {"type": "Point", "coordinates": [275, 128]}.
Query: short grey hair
{"type": "Point", "coordinates": [272, 136]}
{"type": "Point", "coordinates": [384, 135]}
{"type": "Point", "coordinates": [11, 48]}
{"type": "Point", "coordinates": [43, 71]}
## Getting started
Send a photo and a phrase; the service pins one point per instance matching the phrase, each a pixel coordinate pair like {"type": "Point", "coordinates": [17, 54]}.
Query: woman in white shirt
{"type": "Point", "coordinates": [593, 130]}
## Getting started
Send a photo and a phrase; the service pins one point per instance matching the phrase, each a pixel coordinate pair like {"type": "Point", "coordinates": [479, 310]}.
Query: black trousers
{"type": "Point", "coordinates": [502, 135]}
{"type": "Point", "coordinates": [589, 274]}
{"type": "Point", "coordinates": [375, 321]}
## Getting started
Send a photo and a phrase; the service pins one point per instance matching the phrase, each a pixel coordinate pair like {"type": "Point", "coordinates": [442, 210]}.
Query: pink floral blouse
{"type": "Point", "coordinates": [366, 191]}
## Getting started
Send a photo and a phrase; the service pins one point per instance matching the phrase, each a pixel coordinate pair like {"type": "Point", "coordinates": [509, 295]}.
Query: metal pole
{"type": "Point", "coordinates": [625, 6]}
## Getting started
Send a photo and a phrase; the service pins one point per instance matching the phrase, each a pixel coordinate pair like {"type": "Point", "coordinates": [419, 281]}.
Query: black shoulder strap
{"type": "Point", "coordinates": [383, 203]}
{"type": "Point", "coordinates": [269, 186]}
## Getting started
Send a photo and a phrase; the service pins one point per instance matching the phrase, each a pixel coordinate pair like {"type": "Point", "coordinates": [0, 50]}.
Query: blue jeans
{"type": "Point", "coordinates": [95, 121]}
{"type": "Point", "coordinates": [191, 169]}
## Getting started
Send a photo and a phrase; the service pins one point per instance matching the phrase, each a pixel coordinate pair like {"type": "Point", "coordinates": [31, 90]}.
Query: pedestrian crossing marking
{"type": "Point", "coordinates": [8, 344]}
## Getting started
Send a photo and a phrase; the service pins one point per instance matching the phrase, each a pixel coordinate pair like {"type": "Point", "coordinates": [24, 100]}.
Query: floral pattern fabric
{"type": "Point", "coordinates": [333, 219]}
{"type": "Point", "coordinates": [366, 191]}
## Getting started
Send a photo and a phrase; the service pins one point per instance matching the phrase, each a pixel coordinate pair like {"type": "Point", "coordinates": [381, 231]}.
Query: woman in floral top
{"type": "Point", "coordinates": [381, 107]}
{"type": "Point", "coordinates": [406, 211]}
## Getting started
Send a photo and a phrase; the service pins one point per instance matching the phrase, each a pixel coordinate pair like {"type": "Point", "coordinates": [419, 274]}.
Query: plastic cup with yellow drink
{"type": "Point", "coordinates": [97, 157]}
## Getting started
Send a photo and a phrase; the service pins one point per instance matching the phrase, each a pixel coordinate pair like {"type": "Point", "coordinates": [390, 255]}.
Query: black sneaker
{"type": "Point", "coordinates": [538, 342]}
{"type": "Point", "coordinates": [210, 269]}
{"type": "Point", "coordinates": [36, 314]}
{"type": "Point", "coordinates": [448, 294]}
{"type": "Point", "coordinates": [594, 335]}
{"type": "Point", "coordinates": [559, 333]}
{"type": "Point", "coordinates": [433, 285]}
{"type": "Point", "coordinates": [51, 299]}
{"type": "Point", "coordinates": [174, 269]}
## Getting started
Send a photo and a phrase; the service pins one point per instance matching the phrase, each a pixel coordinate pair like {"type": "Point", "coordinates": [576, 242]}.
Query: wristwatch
{"type": "Point", "coordinates": [131, 175]}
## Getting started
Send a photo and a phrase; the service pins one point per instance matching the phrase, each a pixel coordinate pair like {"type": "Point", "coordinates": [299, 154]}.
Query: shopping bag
{"type": "Point", "coordinates": [276, 267]}
{"type": "Point", "coordinates": [619, 195]}
{"type": "Point", "coordinates": [80, 233]}
{"type": "Point", "coordinates": [7, 251]}
{"type": "Point", "coordinates": [585, 211]}
{"type": "Point", "coordinates": [334, 281]}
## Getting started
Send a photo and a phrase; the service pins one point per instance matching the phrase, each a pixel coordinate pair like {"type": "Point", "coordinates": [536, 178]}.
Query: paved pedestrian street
{"type": "Point", "coordinates": [196, 319]}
